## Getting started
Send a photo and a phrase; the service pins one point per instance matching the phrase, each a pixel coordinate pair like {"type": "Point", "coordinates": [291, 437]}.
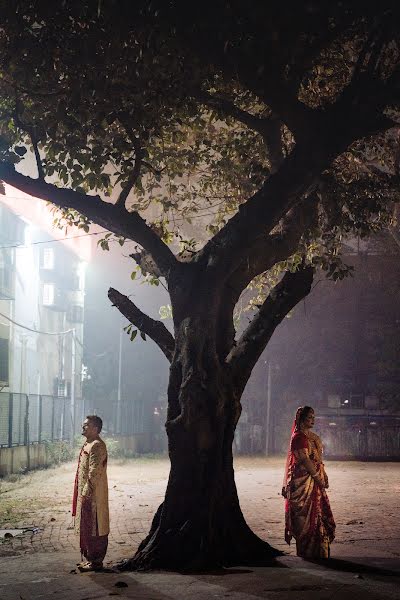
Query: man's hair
{"type": "Point", "coordinates": [96, 421]}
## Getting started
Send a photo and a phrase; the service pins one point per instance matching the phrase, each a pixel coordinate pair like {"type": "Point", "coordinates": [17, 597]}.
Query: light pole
{"type": "Point", "coordinates": [267, 424]}
{"type": "Point", "coordinates": [119, 383]}
{"type": "Point", "coordinates": [73, 367]}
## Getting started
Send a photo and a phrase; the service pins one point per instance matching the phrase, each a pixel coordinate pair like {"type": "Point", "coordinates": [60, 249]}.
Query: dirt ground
{"type": "Point", "coordinates": [364, 499]}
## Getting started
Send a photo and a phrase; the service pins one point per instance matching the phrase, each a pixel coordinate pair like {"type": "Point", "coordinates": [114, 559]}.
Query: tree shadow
{"type": "Point", "coordinates": [348, 566]}
{"type": "Point", "coordinates": [244, 567]}
{"type": "Point", "coordinates": [218, 572]}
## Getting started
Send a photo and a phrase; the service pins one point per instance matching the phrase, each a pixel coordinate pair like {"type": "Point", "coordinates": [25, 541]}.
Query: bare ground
{"type": "Point", "coordinates": [364, 499]}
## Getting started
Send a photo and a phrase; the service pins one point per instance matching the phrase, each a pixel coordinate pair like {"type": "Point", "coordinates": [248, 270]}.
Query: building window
{"type": "Point", "coordinates": [6, 282]}
{"type": "Point", "coordinates": [60, 387]}
{"type": "Point", "coordinates": [48, 294]}
{"type": "Point", "coordinates": [48, 258]}
{"type": "Point", "coordinates": [6, 273]}
{"type": "Point", "coordinates": [75, 314]}
{"type": "Point", "coordinates": [4, 362]}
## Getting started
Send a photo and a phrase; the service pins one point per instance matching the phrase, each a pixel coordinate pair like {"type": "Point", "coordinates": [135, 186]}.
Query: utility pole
{"type": "Point", "coordinates": [267, 421]}
{"type": "Point", "coordinates": [118, 424]}
{"type": "Point", "coordinates": [73, 367]}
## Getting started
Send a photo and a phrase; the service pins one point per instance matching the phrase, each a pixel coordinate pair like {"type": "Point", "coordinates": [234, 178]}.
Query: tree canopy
{"type": "Point", "coordinates": [192, 109]}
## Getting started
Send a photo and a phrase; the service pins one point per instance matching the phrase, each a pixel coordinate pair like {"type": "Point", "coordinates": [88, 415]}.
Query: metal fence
{"type": "Point", "coordinates": [129, 417]}
{"type": "Point", "coordinates": [28, 419]}
{"type": "Point", "coordinates": [365, 436]}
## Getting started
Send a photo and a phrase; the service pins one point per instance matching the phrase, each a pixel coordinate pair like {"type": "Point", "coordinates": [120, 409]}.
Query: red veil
{"type": "Point", "coordinates": [288, 474]}
{"type": "Point", "coordinates": [295, 428]}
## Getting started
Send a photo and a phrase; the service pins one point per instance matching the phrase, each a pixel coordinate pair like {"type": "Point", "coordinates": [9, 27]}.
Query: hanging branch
{"type": "Point", "coordinates": [146, 325]}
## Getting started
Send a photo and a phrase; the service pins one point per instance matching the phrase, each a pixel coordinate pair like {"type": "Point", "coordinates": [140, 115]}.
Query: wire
{"type": "Point", "coordinates": [37, 330]}
{"type": "Point", "coordinates": [71, 237]}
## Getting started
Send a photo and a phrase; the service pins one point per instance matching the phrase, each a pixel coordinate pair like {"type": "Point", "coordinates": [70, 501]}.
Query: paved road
{"type": "Point", "coordinates": [364, 499]}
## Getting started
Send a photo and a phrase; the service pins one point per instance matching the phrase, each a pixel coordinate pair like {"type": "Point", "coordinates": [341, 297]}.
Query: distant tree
{"type": "Point", "coordinates": [279, 119]}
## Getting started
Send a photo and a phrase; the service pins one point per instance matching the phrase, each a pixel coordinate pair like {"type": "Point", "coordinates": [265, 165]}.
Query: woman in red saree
{"type": "Point", "coordinates": [308, 515]}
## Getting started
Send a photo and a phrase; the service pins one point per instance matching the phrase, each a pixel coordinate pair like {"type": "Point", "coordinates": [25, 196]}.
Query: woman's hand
{"type": "Point", "coordinates": [320, 481]}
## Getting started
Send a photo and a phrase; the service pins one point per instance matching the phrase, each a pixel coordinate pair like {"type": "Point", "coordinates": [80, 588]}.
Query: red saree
{"type": "Point", "coordinates": [308, 516]}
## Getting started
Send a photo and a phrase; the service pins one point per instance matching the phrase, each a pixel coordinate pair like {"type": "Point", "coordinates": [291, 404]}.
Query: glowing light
{"type": "Point", "coordinates": [332, 424]}
{"type": "Point", "coordinates": [81, 274]}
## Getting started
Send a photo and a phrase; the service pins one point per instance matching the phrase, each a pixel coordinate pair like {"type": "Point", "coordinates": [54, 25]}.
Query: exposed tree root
{"type": "Point", "coordinates": [187, 549]}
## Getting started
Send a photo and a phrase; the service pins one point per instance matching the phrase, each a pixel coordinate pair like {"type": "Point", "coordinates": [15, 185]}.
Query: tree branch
{"type": "Point", "coordinates": [271, 249]}
{"type": "Point", "coordinates": [268, 127]}
{"type": "Point", "coordinates": [121, 222]}
{"type": "Point", "coordinates": [30, 130]}
{"type": "Point", "coordinates": [146, 263]}
{"type": "Point", "coordinates": [266, 252]}
{"type": "Point", "coordinates": [263, 211]}
{"type": "Point", "coordinates": [298, 117]}
{"type": "Point", "coordinates": [282, 298]}
{"type": "Point", "coordinates": [151, 327]}
{"type": "Point", "coordinates": [134, 176]}
{"type": "Point", "coordinates": [37, 157]}
{"type": "Point", "coordinates": [226, 107]}
{"type": "Point", "coordinates": [352, 117]}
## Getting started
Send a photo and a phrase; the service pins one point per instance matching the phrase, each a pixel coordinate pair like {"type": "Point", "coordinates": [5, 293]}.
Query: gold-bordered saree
{"type": "Point", "coordinates": [308, 515]}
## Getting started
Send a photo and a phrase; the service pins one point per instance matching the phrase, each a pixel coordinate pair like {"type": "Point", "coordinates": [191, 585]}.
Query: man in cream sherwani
{"type": "Point", "coordinates": [90, 501]}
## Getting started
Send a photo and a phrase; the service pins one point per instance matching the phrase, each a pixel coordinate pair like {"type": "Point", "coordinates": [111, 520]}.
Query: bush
{"type": "Point", "coordinates": [113, 448]}
{"type": "Point", "coordinates": [59, 452]}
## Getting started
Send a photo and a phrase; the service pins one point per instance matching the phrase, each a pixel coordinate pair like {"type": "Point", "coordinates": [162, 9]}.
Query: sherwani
{"type": "Point", "coordinates": [90, 502]}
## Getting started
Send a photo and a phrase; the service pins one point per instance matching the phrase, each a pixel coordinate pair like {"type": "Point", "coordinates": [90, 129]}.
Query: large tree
{"type": "Point", "coordinates": [278, 119]}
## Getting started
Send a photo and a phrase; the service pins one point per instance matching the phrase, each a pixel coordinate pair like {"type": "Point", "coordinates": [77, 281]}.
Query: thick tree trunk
{"type": "Point", "coordinates": [200, 524]}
